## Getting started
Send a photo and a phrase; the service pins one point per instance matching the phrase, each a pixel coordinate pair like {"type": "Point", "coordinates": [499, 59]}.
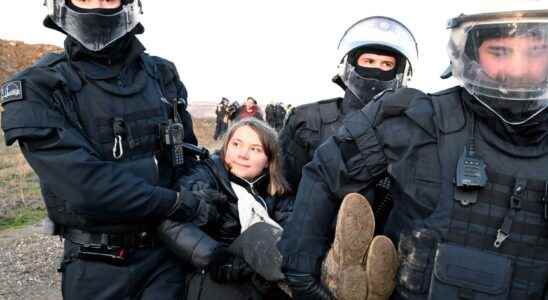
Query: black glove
{"type": "Point", "coordinates": [307, 287]}
{"type": "Point", "coordinates": [226, 267]}
{"type": "Point", "coordinates": [199, 206]}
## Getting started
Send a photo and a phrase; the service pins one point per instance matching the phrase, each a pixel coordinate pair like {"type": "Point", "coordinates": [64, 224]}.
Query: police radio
{"type": "Point", "coordinates": [471, 175]}
{"type": "Point", "coordinates": [172, 135]}
{"type": "Point", "coordinates": [470, 171]}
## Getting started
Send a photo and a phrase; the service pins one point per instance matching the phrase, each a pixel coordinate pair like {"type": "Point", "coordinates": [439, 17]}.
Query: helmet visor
{"type": "Point", "coordinates": [94, 30]}
{"type": "Point", "coordinates": [504, 63]}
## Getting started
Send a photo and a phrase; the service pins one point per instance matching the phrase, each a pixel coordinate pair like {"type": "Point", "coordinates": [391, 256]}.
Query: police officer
{"type": "Point", "coordinates": [275, 115]}
{"type": "Point", "coordinates": [103, 125]}
{"type": "Point", "coordinates": [468, 166]}
{"type": "Point", "coordinates": [376, 54]}
{"type": "Point", "coordinates": [221, 124]}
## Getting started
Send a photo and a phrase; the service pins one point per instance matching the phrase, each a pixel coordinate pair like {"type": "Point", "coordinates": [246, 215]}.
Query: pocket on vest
{"type": "Point", "coordinates": [465, 273]}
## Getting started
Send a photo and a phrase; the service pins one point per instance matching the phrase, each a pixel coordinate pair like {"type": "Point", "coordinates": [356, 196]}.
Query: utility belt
{"type": "Point", "coordinates": [109, 247]}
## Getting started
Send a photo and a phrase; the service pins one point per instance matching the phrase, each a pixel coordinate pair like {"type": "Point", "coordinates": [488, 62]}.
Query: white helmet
{"type": "Point", "coordinates": [502, 60]}
{"type": "Point", "coordinates": [94, 30]}
{"type": "Point", "coordinates": [384, 32]}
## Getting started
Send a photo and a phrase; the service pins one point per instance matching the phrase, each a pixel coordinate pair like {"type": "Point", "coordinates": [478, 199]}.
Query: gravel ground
{"type": "Point", "coordinates": [28, 263]}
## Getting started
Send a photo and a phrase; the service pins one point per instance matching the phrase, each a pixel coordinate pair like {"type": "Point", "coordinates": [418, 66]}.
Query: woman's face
{"type": "Point", "coordinates": [245, 155]}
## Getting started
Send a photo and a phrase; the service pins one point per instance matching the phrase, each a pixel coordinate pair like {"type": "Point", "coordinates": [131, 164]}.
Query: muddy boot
{"type": "Point", "coordinates": [381, 266]}
{"type": "Point", "coordinates": [344, 271]}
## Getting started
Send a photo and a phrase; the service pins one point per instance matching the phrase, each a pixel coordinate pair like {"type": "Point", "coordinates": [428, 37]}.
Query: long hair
{"type": "Point", "coordinates": [277, 184]}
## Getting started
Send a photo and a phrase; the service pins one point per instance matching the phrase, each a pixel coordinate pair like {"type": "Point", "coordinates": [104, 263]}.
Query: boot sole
{"type": "Point", "coordinates": [381, 267]}
{"type": "Point", "coordinates": [355, 229]}
{"type": "Point", "coordinates": [354, 233]}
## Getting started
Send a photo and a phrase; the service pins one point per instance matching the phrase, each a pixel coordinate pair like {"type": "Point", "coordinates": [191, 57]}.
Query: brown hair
{"type": "Point", "coordinates": [252, 99]}
{"type": "Point", "coordinates": [277, 184]}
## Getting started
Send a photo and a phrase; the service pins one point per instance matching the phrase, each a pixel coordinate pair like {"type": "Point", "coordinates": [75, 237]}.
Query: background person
{"type": "Point", "coordinates": [250, 109]}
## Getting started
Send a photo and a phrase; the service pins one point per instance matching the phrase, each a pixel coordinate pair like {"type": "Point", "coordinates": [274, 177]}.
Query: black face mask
{"type": "Point", "coordinates": [376, 73]}
{"type": "Point", "coordinates": [366, 88]}
{"type": "Point", "coordinates": [117, 53]}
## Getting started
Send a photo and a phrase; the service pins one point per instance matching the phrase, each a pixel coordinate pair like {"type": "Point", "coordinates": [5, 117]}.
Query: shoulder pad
{"type": "Point", "coordinates": [41, 80]}
{"type": "Point", "coordinates": [154, 65]}
{"type": "Point", "coordinates": [49, 59]}
{"type": "Point", "coordinates": [329, 110]}
{"type": "Point", "coordinates": [164, 71]}
{"type": "Point", "coordinates": [50, 72]}
{"type": "Point", "coordinates": [449, 110]}
{"type": "Point", "coordinates": [447, 91]}
{"type": "Point", "coordinates": [314, 114]}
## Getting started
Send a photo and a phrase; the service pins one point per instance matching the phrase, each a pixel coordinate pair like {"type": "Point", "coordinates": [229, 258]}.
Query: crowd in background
{"type": "Point", "coordinates": [227, 112]}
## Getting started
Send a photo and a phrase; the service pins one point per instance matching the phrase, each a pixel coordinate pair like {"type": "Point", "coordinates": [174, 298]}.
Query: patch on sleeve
{"type": "Point", "coordinates": [11, 91]}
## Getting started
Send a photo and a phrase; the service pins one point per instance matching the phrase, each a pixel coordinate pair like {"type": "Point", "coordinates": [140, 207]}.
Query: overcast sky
{"type": "Point", "coordinates": [280, 50]}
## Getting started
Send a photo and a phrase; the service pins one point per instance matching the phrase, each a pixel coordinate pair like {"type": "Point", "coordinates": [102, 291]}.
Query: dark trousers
{"type": "Point", "coordinates": [149, 273]}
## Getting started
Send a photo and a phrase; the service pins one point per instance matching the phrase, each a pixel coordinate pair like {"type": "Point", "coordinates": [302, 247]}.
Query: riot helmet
{"type": "Point", "coordinates": [95, 29]}
{"type": "Point", "coordinates": [501, 58]}
{"type": "Point", "coordinates": [382, 36]}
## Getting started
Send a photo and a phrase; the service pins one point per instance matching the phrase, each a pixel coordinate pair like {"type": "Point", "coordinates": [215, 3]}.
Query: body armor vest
{"type": "Point", "coordinates": [492, 247]}
{"type": "Point", "coordinates": [322, 122]}
{"type": "Point", "coordinates": [122, 123]}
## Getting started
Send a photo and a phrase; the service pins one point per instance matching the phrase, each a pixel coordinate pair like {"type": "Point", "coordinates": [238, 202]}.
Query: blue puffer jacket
{"type": "Point", "coordinates": [195, 244]}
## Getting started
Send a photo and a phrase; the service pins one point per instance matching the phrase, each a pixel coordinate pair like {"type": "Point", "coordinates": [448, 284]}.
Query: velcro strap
{"type": "Point", "coordinates": [329, 112]}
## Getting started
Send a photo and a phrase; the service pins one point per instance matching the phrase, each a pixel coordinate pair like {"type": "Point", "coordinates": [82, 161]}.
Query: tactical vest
{"type": "Point", "coordinates": [122, 123]}
{"type": "Point", "coordinates": [321, 122]}
{"type": "Point", "coordinates": [493, 247]}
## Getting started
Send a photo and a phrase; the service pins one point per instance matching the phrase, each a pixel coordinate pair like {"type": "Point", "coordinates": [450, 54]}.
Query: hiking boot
{"type": "Point", "coordinates": [381, 266]}
{"type": "Point", "coordinates": [344, 271]}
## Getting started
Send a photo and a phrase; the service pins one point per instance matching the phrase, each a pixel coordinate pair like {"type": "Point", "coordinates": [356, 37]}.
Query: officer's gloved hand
{"type": "Point", "coordinates": [199, 206]}
{"type": "Point", "coordinates": [307, 287]}
{"type": "Point", "coordinates": [226, 267]}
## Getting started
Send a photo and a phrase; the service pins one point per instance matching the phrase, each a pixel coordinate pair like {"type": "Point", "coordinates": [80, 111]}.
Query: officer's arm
{"type": "Point", "coordinates": [188, 242]}
{"type": "Point", "coordinates": [348, 162]}
{"type": "Point", "coordinates": [72, 169]}
{"type": "Point", "coordinates": [294, 154]}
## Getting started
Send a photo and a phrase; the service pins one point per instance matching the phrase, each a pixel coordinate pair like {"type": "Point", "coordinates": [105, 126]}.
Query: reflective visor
{"type": "Point", "coordinates": [502, 59]}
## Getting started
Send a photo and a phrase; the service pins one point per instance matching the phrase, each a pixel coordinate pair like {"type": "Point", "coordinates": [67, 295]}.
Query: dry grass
{"type": "Point", "coordinates": [204, 129]}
